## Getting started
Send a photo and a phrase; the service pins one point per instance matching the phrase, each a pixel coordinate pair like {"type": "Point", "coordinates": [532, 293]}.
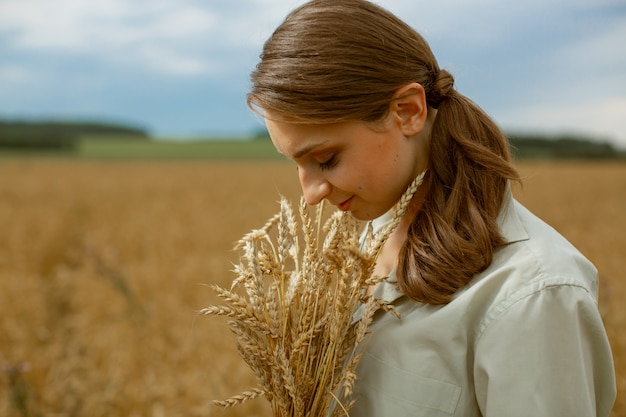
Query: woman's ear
{"type": "Point", "coordinates": [409, 109]}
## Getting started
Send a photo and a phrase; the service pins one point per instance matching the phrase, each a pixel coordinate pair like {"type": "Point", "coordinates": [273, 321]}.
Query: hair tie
{"type": "Point", "coordinates": [442, 88]}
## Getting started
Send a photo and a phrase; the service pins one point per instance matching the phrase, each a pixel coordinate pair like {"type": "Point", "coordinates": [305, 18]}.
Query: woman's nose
{"type": "Point", "coordinates": [314, 186]}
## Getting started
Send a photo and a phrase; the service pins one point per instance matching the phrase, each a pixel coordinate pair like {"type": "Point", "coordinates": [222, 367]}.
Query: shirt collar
{"type": "Point", "coordinates": [509, 221]}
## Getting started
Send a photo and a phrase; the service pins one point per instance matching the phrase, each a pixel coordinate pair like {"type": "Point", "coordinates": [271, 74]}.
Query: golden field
{"type": "Point", "coordinates": [105, 265]}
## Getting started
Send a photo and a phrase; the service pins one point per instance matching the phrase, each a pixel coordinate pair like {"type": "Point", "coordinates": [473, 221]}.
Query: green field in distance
{"type": "Point", "coordinates": [119, 148]}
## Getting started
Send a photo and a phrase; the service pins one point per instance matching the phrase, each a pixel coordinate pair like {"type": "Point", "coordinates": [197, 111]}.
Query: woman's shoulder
{"type": "Point", "coordinates": [535, 259]}
{"type": "Point", "coordinates": [545, 254]}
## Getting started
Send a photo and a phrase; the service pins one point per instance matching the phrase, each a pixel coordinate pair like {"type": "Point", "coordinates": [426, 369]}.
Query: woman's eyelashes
{"type": "Point", "coordinates": [329, 163]}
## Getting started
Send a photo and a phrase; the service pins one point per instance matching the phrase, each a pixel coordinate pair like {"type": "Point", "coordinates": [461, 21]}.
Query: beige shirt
{"type": "Point", "coordinates": [524, 338]}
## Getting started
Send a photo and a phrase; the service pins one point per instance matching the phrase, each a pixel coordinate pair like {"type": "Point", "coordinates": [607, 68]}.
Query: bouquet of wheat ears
{"type": "Point", "coordinates": [292, 305]}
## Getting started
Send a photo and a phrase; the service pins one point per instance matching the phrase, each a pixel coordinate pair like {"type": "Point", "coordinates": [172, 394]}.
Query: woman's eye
{"type": "Point", "coordinates": [329, 163]}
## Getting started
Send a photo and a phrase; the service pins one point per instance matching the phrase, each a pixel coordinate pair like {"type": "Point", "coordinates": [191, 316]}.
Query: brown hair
{"type": "Point", "coordinates": [343, 60]}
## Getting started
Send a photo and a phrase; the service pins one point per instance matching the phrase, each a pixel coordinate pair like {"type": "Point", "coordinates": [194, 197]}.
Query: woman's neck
{"type": "Point", "coordinates": [388, 256]}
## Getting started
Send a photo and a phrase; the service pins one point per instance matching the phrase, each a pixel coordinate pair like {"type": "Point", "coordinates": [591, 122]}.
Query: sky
{"type": "Point", "coordinates": [180, 68]}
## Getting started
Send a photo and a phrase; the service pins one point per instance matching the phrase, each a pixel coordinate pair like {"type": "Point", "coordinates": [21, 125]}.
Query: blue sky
{"type": "Point", "coordinates": [180, 67]}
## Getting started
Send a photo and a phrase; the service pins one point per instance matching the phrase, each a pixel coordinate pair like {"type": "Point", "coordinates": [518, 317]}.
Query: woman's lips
{"type": "Point", "coordinates": [345, 206]}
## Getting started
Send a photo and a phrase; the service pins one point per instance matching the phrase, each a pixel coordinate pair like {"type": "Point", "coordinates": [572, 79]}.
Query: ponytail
{"type": "Point", "coordinates": [455, 234]}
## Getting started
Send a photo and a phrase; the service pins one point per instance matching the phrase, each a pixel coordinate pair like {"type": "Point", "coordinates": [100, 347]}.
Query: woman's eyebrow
{"type": "Point", "coordinates": [307, 149]}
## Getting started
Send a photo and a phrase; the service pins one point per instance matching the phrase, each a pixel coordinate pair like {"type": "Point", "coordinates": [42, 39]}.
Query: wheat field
{"type": "Point", "coordinates": [104, 267]}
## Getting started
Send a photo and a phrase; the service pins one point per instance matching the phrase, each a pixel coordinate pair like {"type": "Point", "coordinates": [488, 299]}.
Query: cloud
{"type": "Point", "coordinates": [602, 119]}
{"type": "Point", "coordinates": [600, 53]}
{"type": "Point", "coordinates": [169, 61]}
{"type": "Point", "coordinates": [581, 85]}
{"type": "Point", "coordinates": [175, 37]}
{"type": "Point", "coordinates": [10, 74]}
{"type": "Point", "coordinates": [82, 26]}
{"type": "Point", "coordinates": [153, 36]}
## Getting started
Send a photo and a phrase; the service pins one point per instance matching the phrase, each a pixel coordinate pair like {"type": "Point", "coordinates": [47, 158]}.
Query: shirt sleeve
{"type": "Point", "coordinates": [545, 353]}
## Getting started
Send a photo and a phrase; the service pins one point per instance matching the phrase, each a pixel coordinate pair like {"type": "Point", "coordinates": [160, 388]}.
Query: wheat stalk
{"type": "Point", "coordinates": [299, 282]}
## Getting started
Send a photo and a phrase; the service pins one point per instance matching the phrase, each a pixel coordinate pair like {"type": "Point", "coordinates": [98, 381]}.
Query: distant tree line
{"type": "Point", "coordinates": [65, 136]}
{"type": "Point", "coordinates": [561, 147]}
{"type": "Point", "coordinates": [21, 135]}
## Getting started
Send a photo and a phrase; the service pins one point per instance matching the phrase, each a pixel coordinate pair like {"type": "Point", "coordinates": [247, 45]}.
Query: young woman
{"type": "Point", "coordinates": [498, 312]}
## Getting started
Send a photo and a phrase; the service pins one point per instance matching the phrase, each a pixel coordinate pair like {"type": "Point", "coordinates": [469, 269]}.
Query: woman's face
{"type": "Point", "coordinates": [359, 167]}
